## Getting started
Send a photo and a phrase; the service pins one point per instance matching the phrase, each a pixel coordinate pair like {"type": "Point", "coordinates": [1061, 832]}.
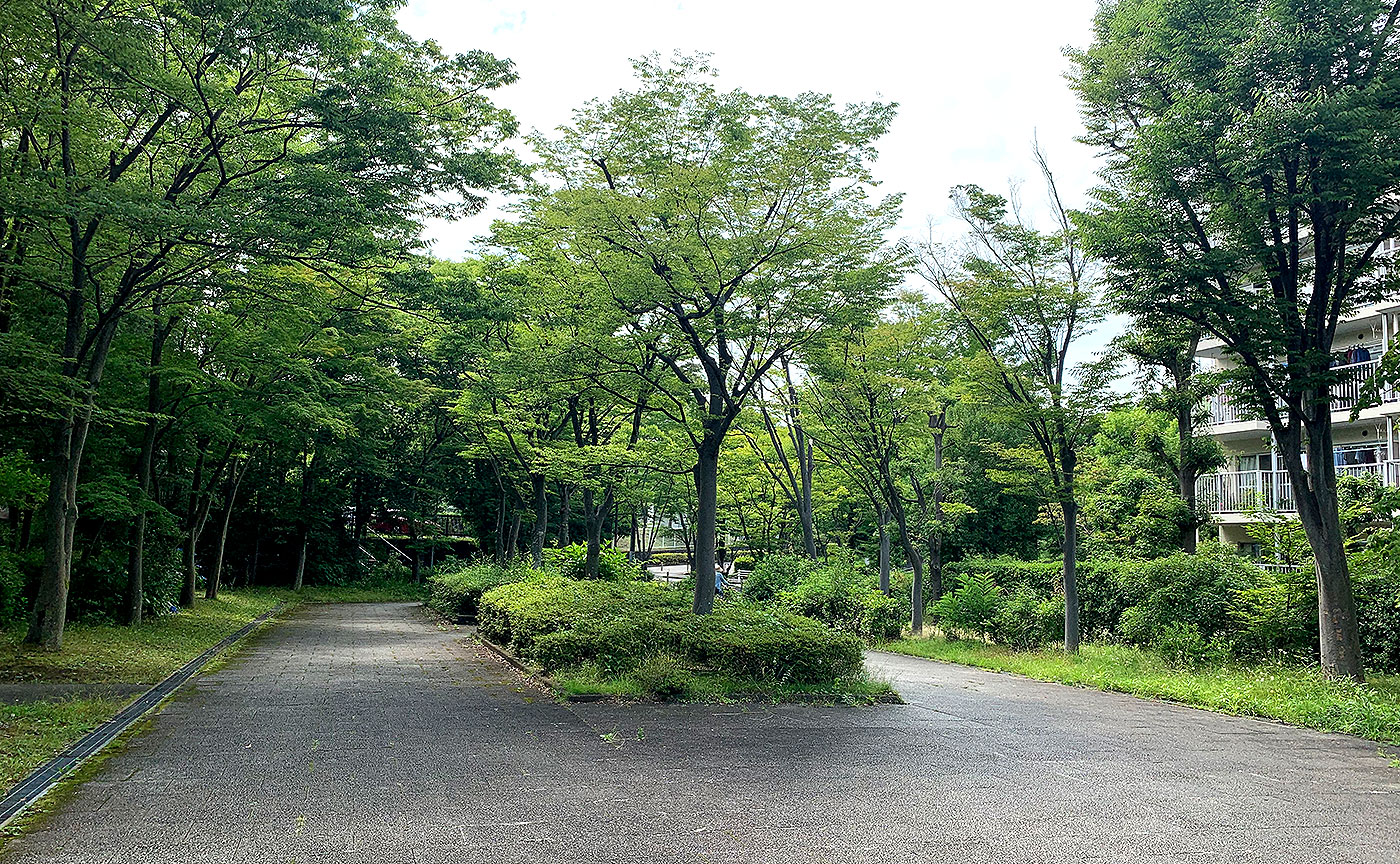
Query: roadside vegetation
{"type": "Point", "coordinates": [1294, 694]}
{"type": "Point", "coordinates": [623, 635]}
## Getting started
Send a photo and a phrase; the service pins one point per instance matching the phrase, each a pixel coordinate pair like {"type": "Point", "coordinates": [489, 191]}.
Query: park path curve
{"type": "Point", "coordinates": [372, 733]}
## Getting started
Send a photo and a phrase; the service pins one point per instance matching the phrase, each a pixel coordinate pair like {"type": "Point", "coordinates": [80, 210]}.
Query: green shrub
{"type": "Point", "coordinates": [456, 587]}
{"type": "Point", "coordinates": [1375, 575]}
{"type": "Point", "coordinates": [1181, 644]}
{"type": "Point", "coordinates": [775, 573]}
{"type": "Point", "coordinates": [12, 602]}
{"type": "Point", "coordinates": [659, 559]}
{"type": "Point", "coordinates": [1275, 614]}
{"type": "Point", "coordinates": [971, 607]}
{"type": "Point", "coordinates": [854, 608]}
{"type": "Point", "coordinates": [1196, 590]}
{"type": "Point", "coordinates": [662, 676]}
{"type": "Point", "coordinates": [613, 564]}
{"type": "Point", "coordinates": [562, 623]}
{"type": "Point", "coordinates": [520, 613]}
{"type": "Point", "coordinates": [1011, 574]}
{"type": "Point", "coordinates": [772, 645]}
{"type": "Point", "coordinates": [841, 593]}
{"type": "Point", "coordinates": [1105, 590]}
{"type": "Point", "coordinates": [1025, 621]}
{"type": "Point", "coordinates": [616, 645]}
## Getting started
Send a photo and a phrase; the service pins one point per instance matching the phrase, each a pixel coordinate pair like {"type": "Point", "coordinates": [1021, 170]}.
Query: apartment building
{"type": "Point", "coordinates": [1252, 479]}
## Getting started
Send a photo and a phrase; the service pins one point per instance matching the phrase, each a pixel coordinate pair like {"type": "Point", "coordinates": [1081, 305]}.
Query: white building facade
{"type": "Point", "coordinates": [1252, 478]}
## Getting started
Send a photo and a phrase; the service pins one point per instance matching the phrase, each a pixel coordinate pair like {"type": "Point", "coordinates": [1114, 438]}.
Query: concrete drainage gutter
{"type": "Point", "coordinates": [43, 778]}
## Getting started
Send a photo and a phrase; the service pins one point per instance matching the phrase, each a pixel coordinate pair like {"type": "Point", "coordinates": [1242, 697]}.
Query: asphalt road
{"type": "Point", "coordinates": [370, 733]}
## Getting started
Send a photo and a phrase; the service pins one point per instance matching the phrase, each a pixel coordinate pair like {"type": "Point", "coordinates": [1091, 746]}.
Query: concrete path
{"type": "Point", "coordinates": [369, 733]}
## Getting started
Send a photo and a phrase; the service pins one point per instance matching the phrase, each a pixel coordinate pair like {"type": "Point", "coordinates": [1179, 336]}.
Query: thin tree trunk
{"type": "Point", "coordinates": [187, 587]}
{"type": "Point", "coordinates": [1186, 467]}
{"type": "Point", "coordinates": [1069, 549]}
{"type": "Point", "coordinates": [911, 552]}
{"type": "Point", "coordinates": [300, 578]}
{"type": "Point", "coordinates": [135, 569]}
{"type": "Point", "coordinates": [566, 497]}
{"type": "Point", "coordinates": [51, 602]}
{"type": "Point", "coordinates": [885, 550]}
{"type": "Point", "coordinates": [501, 530]}
{"type": "Point", "coordinates": [541, 526]}
{"type": "Point", "coordinates": [211, 591]}
{"type": "Point", "coordinates": [513, 543]}
{"type": "Point", "coordinates": [416, 562]}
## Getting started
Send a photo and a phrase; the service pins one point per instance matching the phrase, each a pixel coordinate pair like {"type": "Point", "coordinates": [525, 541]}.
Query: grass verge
{"type": "Point", "coordinates": [1294, 695]}
{"type": "Point", "coordinates": [34, 732]}
{"type": "Point", "coordinates": [108, 653]}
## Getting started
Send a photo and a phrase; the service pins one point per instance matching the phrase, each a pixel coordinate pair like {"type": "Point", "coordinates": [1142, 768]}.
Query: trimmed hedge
{"type": "Point", "coordinates": [561, 623]}
{"type": "Point", "coordinates": [456, 588]}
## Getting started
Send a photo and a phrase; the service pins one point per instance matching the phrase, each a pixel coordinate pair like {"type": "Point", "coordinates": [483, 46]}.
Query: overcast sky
{"type": "Point", "coordinates": [975, 81]}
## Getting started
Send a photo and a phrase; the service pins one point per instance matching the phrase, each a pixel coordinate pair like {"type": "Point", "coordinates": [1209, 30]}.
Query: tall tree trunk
{"type": "Point", "coordinates": [136, 559]}
{"type": "Point", "coordinates": [885, 550]}
{"type": "Point", "coordinates": [306, 484]}
{"type": "Point", "coordinates": [416, 562]}
{"type": "Point", "coordinates": [513, 542]}
{"type": "Point", "coordinates": [501, 530]}
{"type": "Point", "coordinates": [187, 587]}
{"type": "Point", "coordinates": [1069, 544]}
{"type": "Point", "coordinates": [51, 602]}
{"type": "Point", "coordinates": [235, 477]}
{"type": "Point", "coordinates": [594, 519]}
{"type": "Point", "coordinates": [1315, 492]}
{"type": "Point", "coordinates": [541, 526]}
{"type": "Point", "coordinates": [1186, 470]}
{"type": "Point", "coordinates": [706, 517]}
{"type": "Point", "coordinates": [911, 552]}
{"type": "Point", "coordinates": [300, 578]}
{"type": "Point", "coordinates": [566, 497]}
{"type": "Point", "coordinates": [1071, 569]}
{"type": "Point", "coordinates": [938, 422]}
{"type": "Point", "coordinates": [70, 436]}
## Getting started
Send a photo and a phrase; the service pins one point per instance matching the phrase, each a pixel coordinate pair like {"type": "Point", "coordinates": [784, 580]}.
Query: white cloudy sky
{"type": "Point", "coordinates": [975, 81]}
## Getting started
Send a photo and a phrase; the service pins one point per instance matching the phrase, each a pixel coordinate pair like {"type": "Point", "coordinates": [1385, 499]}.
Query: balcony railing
{"type": "Point", "coordinates": [1252, 491]}
{"type": "Point", "coordinates": [1245, 491]}
{"type": "Point", "coordinates": [1346, 394]}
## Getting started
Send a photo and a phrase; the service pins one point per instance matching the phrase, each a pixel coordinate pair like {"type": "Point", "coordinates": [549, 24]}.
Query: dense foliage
{"type": "Point", "coordinates": [620, 626]}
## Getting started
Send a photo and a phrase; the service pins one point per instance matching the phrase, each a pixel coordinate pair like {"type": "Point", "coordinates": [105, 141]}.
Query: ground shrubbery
{"type": "Point", "coordinates": [613, 564]}
{"type": "Point", "coordinates": [1213, 605]}
{"type": "Point", "coordinates": [629, 628]}
{"type": "Point", "coordinates": [840, 591]}
{"type": "Point", "coordinates": [456, 587]}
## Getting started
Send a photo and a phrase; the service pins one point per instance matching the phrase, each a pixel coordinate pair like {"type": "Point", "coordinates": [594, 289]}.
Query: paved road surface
{"type": "Point", "coordinates": [368, 733]}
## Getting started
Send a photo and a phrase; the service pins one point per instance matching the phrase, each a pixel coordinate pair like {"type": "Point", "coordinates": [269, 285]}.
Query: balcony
{"type": "Point", "coordinates": [1254, 491]}
{"type": "Point", "coordinates": [1346, 395]}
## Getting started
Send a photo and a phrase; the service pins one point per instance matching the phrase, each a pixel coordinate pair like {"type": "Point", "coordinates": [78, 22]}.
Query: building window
{"type": "Point", "coordinates": [1257, 462]}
